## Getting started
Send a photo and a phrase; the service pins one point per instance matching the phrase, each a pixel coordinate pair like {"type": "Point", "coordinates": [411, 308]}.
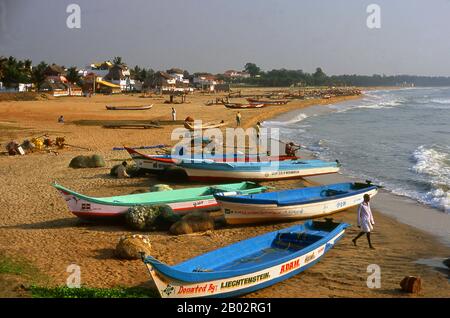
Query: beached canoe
{"type": "Point", "coordinates": [268, 102]}
{"type": "Point", "coordinates": [158, 163]}
{"type": "Point", "coordinates": [181, 201]}
{"type": "Point", "coordinates": [191, 125]}
{"type": "Point", "coordinates": [243, 106]}
{"type": "Point", "coordinates": [208, 170]}
{"type": "Point", "coordinates": [248, 265]}
{"type": "Point", "coordinates": [296, 204]}
{"type": "Point", "coordinates": [144, 107]}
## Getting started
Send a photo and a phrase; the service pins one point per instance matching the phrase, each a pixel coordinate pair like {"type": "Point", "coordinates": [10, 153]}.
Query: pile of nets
{"type": "Point", "coordinates": [93, 161]}
{"type": "Point", "coordinates": [160, 187]}
{"type": "Point", "coordinates": [151, 218]}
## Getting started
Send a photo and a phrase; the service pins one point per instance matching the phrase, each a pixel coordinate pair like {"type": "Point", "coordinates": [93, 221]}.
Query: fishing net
{"type": "Point", "coordinates": [160, 187]}
{"type": "Point", "coordinates": [96, 161]}
{"type": "Point", "coordinates": [93, 161]}
{"type": "Point", "coordinates": [150, 217]}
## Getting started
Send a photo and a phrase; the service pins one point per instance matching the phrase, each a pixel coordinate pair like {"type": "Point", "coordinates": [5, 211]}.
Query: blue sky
{"type": "Point", "coordinates": [216, 35]}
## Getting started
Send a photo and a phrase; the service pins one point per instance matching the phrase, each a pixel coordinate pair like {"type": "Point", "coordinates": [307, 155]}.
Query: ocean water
{"type": "Point", "coordinates": [397, 138]}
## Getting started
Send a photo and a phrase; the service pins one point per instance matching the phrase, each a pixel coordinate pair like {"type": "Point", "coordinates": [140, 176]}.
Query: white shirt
{"type": "Point", "coordinates": [365, 215]}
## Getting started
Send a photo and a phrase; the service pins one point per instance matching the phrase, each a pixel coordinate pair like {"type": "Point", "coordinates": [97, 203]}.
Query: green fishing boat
{"type": "Point", "coordinates": [181, 201]}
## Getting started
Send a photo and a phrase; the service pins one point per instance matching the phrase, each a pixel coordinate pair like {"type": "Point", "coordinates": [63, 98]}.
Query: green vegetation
{"type": "Point", "coordinates": [22, 268]}
{"type": "Point", "coordinates": [283, 77]}
{"type": "Point", "coordinates": [13, 71]}
{"type": "Point", "coordinates": [87, 292]}
{"type": "Point", "coordinates": [73, 76]}
{"type": "Point", "coordinates": [16, 267]}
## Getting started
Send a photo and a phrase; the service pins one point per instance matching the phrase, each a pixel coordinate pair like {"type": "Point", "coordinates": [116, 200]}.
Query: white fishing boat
{"type": "Point", "coordinates": [295, 204]}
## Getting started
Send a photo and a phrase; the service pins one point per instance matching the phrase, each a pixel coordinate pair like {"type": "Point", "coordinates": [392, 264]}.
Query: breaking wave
{"type": "Point", "coordinates": [433, 163]}
{"type": "Point", "coordinates": [298, 118]}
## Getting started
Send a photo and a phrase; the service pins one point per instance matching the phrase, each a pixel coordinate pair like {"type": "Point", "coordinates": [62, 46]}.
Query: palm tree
{"type": "Point", "coordinates": [3, 61]}
{"type": "Point", "coordinates": [73, 76]}
{"type": "Point", "coordinates": [38, 74]}
{"type": "Point", "coordinates": [117, 60]}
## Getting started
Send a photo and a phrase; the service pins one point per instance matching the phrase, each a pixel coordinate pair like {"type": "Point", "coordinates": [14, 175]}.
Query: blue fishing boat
{"type": "Point", "coordinates": [160, 163]}
{"type": "Point", "coordinates": [248, 265]}
{"type": "Point", "coordinates": [208, 170]}
{"type": "Point", "coordinates": [295, 204]}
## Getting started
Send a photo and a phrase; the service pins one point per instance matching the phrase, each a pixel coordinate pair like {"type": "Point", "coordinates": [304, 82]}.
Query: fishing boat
{"type": "Point", "coordinates": [243, 106]}
{"type": "Point", "coordinates": [268, 102]}
{"type": "Point", "coordinates": [191, 125]}
{"type": "Point", "coordinates": [181, 201]}
{"type": "Point", "coordinates": [144, 107]}
{"type": "Point", "coordinates": [159, 163]}
{"type": "Point", "coordinates": [208, 170]}
{"type": "Point", "coordinates": [248, 265]}
{"type": "Point", "coordinates": [294, 204]}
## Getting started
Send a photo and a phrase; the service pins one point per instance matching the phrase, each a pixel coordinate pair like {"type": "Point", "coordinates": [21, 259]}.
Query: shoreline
{"type": "Point", "coordinates": [37, 226]}
{"type": "Point", "coordinates": [400, 207]}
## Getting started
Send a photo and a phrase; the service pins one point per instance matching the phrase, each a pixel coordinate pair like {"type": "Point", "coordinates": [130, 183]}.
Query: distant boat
{"type": "Point", "coordinates": [144, 107]}
{"type": "Point", "coordinates": [158, 163]}
{"type": "Point", "coordinates": [190, 125]}
{"type": "Point", "coordinates": [248, 265]}
{"type": "Point", "coordinates": [181, 201]}
{"type": "Point", "coordinates": [208, 170]}
{"type": "Point", "coordinates": [268, 102]}
{"type": "Point", "coordinates": [243, 106]}
{"type": "Point", "coordinates": [293, 204]}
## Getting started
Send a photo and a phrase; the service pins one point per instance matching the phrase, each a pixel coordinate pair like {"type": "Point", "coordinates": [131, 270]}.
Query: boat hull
{"type": "Point", "coordinates": [244, 106]}
{"type": "Point", "coordinates": [243, 284]}
{"type": "Point", "coordinates": [259, 175]}
{"type": "Point", "coordinates": [89, 210]}
{"type": "Point", "coordinates": [157, 164]}
{"type": "Point", "coordinates": [108, 107]}
{"type": "Point", "coordinates": [242, 213]}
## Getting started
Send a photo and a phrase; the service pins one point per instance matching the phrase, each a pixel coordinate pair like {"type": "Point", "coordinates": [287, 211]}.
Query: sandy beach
{"type": "Point", "coordinates": [36, 226]}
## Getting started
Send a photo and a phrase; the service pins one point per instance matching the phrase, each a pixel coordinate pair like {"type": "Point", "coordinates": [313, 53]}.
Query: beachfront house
{"type": "Point", "coordinates": [178, 75]}
{"type": "Point", "coordinates": [168, 83]}
{"type": "Point", "coordinates": [119, 74]}
{"type": "Point", "coordinates": [206, 81]}
{"type": "Point", "coordinates": [55, 88]}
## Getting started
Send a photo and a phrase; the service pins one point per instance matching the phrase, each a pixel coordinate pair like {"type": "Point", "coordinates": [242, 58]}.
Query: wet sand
{"type": "Point", "coordinates": [35, 224]}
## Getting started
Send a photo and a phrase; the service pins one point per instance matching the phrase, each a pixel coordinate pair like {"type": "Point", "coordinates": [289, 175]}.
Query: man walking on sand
{"type": "Point", "coordinates": [174, 114]}
{"type": "Point", "coordinates": [238, 119]}
{"type": "Point", "coordinates": [365, 220]}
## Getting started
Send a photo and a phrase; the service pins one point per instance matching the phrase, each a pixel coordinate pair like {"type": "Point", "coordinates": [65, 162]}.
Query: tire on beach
{"type": "Point", "coordinates": [173, 173]}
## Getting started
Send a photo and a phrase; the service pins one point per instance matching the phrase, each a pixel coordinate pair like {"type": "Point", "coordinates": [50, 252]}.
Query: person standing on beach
{"type": "Point", "coordinates": [258, 131]}
{"type": "Point", "coordinates": [238, 119]}
{"type": "Point", "coordinates": [174, 114]}
{"type": "Point", "coordinates": [365, 220]}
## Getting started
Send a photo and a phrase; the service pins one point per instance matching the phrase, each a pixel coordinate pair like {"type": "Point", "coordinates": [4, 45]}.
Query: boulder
{"type": "Point", "coordinates": [131, 247]}
{"type": "Point", "coordinates": [411, 284]}
{"type": "Point", "coordinates": [193, 222]}
{"type": "Point", "coordinates": [93, 161]}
